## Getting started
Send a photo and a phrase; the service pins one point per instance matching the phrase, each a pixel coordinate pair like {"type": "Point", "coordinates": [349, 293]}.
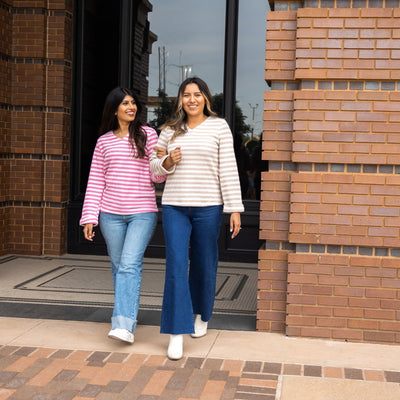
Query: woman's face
{"type": "Point", "coordinates": [126, 111]}
{"type": "Point", "coordinates": [193, 100]}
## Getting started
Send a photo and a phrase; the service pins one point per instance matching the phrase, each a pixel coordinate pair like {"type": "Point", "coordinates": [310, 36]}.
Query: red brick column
{"type": "Point", "coordinates": [341, 187]}
{"type": "Point", "coordinates": [5, 123]}
{"type": "Point", "coordinates": [277, 146]}
{"type": "Point", "coordinates": [36, 108]}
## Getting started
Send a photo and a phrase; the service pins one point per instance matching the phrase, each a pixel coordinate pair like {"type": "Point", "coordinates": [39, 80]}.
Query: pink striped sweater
{"type": "Point", "coordinates": [120, 183]}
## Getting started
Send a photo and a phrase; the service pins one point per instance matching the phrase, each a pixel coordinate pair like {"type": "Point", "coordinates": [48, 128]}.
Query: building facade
{"type": "Point", "coordinates": [329, 209]}
{"type": "Point", "coordinates": [330, 213]}
{"type": "Point", "coordinates": [35, 114]}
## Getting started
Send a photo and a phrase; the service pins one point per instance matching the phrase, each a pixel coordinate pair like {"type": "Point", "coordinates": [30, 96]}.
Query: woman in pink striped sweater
{"type": "Point", "coordinates": [120, 197]}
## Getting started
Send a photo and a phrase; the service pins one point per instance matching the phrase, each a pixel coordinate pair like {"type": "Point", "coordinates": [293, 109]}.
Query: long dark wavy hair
{"type": "Point", "coordinates": [109, 121]}
{"type": "Point", "coordinates": [178, 121]}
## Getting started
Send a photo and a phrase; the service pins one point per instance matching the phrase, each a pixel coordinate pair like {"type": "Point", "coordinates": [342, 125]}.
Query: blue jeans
{"type": "Point", "coordinates": [127, 237]}
{"type": "Point", "coordinates": [189, 291]}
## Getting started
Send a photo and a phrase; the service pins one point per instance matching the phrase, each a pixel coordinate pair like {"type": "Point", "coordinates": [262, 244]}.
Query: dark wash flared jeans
{"type": "Point", "coordinates": [191, 238]}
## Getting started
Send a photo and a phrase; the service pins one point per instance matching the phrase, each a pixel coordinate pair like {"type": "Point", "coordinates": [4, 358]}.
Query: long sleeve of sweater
{"type": "Point", "coordinates": [156, 167]}
{"type": "Point", "coordinates": [228, 172]}
{"type": "Point", "coordinates": [95, 187]}
{"type": "Point", "coordinates": [152, 140]}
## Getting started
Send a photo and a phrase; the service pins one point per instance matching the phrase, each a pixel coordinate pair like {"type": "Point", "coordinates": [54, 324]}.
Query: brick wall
{"type": "Point", "coordinates": [330, 203]}
{"type": "Point", "coordinates": [35, 106]}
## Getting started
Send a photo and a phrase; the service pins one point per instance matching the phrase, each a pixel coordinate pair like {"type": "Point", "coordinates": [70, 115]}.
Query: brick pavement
{"type": "Point", "coordinates": [37, 373]}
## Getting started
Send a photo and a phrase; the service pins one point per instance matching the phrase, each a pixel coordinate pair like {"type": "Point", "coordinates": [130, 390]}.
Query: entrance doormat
{"type": "Point", "coordinates": [87, 281]}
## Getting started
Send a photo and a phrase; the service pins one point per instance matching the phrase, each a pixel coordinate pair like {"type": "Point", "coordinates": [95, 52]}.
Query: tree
{"type": "Point", "coordinates": [240, 126]}
{"type": "Point", "coordinates": [241, 152]}
{"type": "Point", "coordinates": [163, 111]}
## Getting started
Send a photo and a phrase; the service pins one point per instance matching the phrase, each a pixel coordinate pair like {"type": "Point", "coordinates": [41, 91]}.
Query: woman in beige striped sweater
{"type": "Point", "coordinates": [202, 183]}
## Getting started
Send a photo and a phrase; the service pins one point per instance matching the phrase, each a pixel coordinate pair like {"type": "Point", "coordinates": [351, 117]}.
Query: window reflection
{"type": "Point", "coordinates": [190, 41]}
{"type": "Point", "coordinates": [250, 87]}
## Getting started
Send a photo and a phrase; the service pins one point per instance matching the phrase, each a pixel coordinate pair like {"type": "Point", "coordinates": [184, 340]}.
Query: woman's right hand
{"type": "Point", "coordinates": [174, 157]}
{"type": "Point", "coordinates": [88, 232]}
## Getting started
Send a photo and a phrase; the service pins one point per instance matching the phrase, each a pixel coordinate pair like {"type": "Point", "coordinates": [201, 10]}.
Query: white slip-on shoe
{"type": "Point", "coordinates": [121, 334]}
{"type": "Point", "coordinates": [200, 327]}
{"type": "Point", "coordinates": [175, 348]}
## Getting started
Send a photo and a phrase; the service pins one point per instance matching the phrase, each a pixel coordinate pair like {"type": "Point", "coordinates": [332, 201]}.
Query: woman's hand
{"type": "Point", "coordinates": [160, 152]}
{"type": "Point", "coordinates": [235, 224]}
{"type": "Point", "coordinates": [88, 232]}
{"type": "Point", "coordinates": [175, 156]}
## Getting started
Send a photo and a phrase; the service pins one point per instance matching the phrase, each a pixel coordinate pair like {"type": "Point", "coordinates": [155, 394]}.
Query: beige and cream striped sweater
{"type": "Point", "coordinates": [207, 174]}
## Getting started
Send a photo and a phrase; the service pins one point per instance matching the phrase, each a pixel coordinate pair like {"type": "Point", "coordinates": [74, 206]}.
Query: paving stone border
{"type": "Point", "coordinates": [50, 374]}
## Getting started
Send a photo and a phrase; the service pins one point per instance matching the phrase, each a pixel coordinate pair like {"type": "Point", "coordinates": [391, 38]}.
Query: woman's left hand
{"type": "Point", "coordinates": [235, 224]}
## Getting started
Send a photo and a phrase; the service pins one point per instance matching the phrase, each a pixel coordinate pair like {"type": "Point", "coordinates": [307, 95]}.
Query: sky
{"type": "Point", "coordinates": [192, 33]}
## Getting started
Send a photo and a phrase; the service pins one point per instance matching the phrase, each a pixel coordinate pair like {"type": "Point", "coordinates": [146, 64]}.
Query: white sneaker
{"type": "Point", "coordinates": [200, 327]}
{"type": "Point", "coordinates": [121, 334]}
{"type": "Point", "coordinates": [175, 348]}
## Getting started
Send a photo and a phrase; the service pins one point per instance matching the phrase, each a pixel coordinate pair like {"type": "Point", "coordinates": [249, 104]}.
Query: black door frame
{"type": "Point", "coordinates": [230, 60]}
{"type": "Point", "coordinates": [251, 215]}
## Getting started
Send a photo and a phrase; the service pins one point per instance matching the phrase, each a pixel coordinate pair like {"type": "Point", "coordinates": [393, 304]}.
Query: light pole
{"type": "Point", "coordinates": [185, 70]}
{"type": "Point", "coordinates": [252, 121]}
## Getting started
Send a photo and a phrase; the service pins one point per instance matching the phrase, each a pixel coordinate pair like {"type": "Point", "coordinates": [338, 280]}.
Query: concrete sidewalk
{"type": "Point", "coordinates": [51, 359]}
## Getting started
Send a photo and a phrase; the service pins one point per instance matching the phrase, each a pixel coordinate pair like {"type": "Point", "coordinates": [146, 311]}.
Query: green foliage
{"type": "Point", "coordinates": [241, 127]}
{"type": "Point", "coordinates": [163, 111]}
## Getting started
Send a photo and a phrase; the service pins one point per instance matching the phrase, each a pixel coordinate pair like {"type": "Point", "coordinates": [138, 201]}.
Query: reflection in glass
{"type": "Point", "coordinates": [190, 41]}
{"type": "Point", "coordinates": [250, 87]}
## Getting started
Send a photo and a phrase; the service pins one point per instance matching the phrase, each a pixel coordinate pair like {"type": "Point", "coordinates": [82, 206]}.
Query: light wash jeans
{"type": "Point", "coordinates": [127, 237]}
{"type": "Point", "coordinates": [189, 289]}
